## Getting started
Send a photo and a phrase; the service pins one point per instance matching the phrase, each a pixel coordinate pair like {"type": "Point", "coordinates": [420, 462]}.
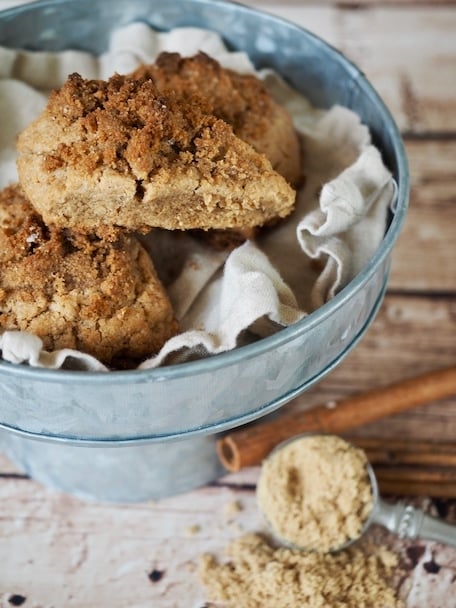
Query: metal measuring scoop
{"type": "Point", "coordinates": [405, 520]}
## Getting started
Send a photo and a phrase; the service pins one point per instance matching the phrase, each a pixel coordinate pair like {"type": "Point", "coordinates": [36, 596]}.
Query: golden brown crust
{"type": "Point", "coordinates": [241, 100]}
{"type": "Point", "coordinates": [119, 153]}
{"type": "Point", "coordinates": [78, 291]}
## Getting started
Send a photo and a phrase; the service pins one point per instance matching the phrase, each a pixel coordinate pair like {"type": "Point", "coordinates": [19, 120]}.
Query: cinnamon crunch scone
{"type": "Point", "coordinates": [78, 291]}
{"type": "Point", "coordinates": [241, 100]}
{"type": "Point", "coordinates": [119, 153]}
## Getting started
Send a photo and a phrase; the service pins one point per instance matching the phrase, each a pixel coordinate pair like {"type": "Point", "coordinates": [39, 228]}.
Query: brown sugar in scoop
{"type": "Point", "coordinates": [315, 492]}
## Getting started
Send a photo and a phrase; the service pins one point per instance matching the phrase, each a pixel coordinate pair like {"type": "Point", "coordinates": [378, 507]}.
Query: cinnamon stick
{"type": "Point", "coordinates": [249, 445]}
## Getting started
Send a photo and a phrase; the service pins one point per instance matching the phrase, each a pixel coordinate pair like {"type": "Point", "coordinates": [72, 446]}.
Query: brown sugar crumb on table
{"type": "Point", "coordinates": [258, 575]}
{"type": "Point", "coordinates": [119, 153]}
{"type": "Point", "coordinates": [99, 296]}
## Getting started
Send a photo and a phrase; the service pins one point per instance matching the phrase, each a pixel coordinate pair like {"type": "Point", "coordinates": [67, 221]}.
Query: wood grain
{"type": "Point", "coordinates": [382, 40]}
{"type": "Point", "coordinates": [59, 552]}
{"type": "Point", "coordinates": [424, 257]}
{"type": "Point", "coordinates": [411, 334]}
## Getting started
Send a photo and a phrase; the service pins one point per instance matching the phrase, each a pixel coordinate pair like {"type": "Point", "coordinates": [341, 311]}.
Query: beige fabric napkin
{"type": "Point", "coordinates": [223, 300]}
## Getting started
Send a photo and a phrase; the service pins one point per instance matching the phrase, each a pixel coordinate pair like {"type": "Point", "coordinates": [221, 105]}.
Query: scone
{"type": "Point", "coordinates": [240, 100]}
{"type": "Point", "coordinates": [78, 291]}
{"type": "Point", "coordinates": [119, 153]}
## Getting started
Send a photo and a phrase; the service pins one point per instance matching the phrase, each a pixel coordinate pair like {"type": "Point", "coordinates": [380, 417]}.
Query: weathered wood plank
{"type": "Point", "coordinates": [407, 52]}
{"type": "Point", "coordinates": [416, 79]}
{"type": "Point", "coordinates": [425, 254]}
{"type": "Point", "coordinates": [57, 551]}
{"type": "Point", "coordinates": [411, 335]}
{"type": "Point", "coordinates": [422, 259]}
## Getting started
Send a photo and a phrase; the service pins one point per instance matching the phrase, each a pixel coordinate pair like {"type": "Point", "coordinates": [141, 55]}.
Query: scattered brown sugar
{"type": "Point", "coordinates": [315, 492]}
{"type": "Point", "coordinates": [241, 100]}
{"type": "Point", "coordinates": [258, 575]}
{"type": "Point", "coordinates": [192, 530]}
{"type": "Point", "coordinates": [120, 153]}
{"type": "Point", "coordinates": [233, 508]}
{"type": "Point", "coordinates": [97, 295]}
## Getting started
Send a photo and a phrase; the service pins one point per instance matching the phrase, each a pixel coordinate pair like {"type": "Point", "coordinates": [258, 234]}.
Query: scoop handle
{"type": "Point", "coordinates": [408, 522]}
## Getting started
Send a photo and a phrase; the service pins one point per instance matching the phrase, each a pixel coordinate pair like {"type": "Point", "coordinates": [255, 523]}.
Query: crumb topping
{"type": "Point", "coordinates": [241, 100]}
{"type": "Point", "coordinates": [125, 153]}
{"type": "Point", "coordinates": [78, 290]}
{"type": "Point", "coordinates": [127, 124]}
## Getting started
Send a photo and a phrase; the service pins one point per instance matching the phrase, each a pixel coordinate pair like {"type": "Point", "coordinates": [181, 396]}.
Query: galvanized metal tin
{"type": "Point", "coordinates": [134, 435]}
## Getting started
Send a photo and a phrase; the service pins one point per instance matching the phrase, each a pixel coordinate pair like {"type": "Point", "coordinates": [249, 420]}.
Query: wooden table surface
{"type": "Point", "coordinates": [57, 551]}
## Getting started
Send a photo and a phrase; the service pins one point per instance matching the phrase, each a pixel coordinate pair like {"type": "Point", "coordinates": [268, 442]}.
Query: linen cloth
{"type": "Point", "coordinates": [221, 299]}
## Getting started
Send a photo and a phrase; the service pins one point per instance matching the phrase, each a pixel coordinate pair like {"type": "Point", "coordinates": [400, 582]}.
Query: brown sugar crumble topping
{"type": "Point", "coordinates": [76, 290]}
{"type": "Point", "coordinates": [126, 124]}
{"type": "Point", "coordinates": [121, 153]}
